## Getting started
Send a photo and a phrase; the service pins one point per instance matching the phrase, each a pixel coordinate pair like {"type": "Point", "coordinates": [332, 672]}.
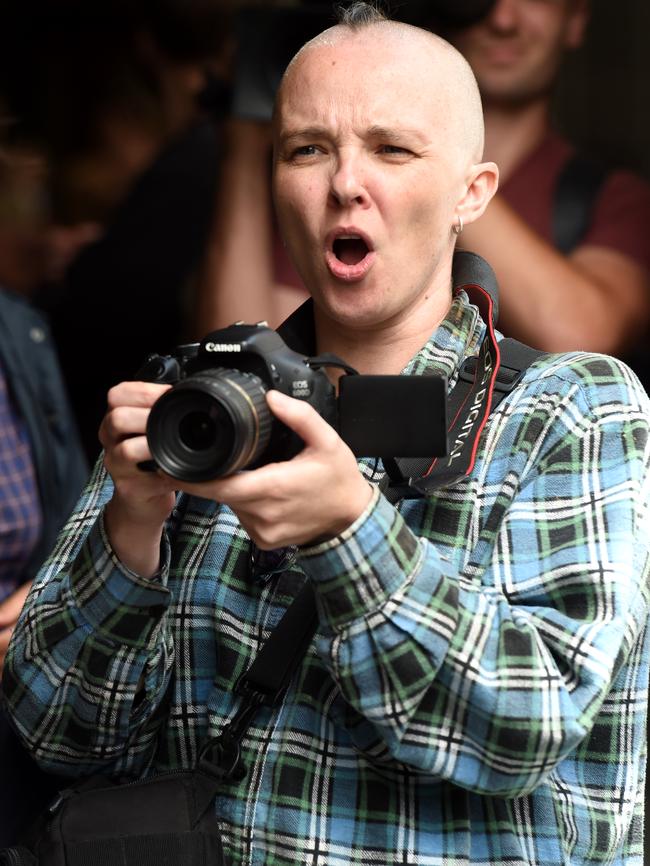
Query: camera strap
{"type": "Point", "coordinates": [468, 408]}
{"type": "Point", "coordinates": [483, 382]}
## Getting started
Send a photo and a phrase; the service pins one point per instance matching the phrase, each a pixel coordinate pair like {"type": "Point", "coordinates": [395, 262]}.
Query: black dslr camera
{"type": "Point", "coordinates": [215, 420]}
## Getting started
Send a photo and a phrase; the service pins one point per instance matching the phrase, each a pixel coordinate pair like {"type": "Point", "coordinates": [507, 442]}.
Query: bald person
{"type": "Point", "coordinates": [475, 689]}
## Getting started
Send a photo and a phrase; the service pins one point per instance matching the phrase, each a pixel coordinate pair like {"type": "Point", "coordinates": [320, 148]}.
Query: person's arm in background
{"type": "Point", "coordinates": [595, 299]}
{"type": "Point", "coordinates": [42, 468]}
{"type": "Point", "coordinates": [238, 281]}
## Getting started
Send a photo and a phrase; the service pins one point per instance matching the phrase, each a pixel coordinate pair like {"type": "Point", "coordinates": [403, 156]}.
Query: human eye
{"type": "Point", "coordinates": [303, 151]}
{"type": "Point", "coordinates": [395, 151]}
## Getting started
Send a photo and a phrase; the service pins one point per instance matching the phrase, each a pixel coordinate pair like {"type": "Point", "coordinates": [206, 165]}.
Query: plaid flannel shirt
{"type": "Point", "coordinates": [476, 692]}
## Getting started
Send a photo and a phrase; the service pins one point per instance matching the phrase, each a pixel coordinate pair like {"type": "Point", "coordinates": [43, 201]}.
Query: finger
{"type": "Point", "coordinates": [302, 418]}
{"type": "Point", "coordinates": [247, 486]}
{"type": "Point", "coordinates": [123, 464]}
{"type": "Point", "coordinates": [122, 421]}
{"type": "Point", "coordinates": [142, 394]}
{"type": "Point", "coordinates": [130, 450]}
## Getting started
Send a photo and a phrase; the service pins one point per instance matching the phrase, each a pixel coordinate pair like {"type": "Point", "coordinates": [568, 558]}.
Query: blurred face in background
{"type": "Point", "coordinates": [516, 50]}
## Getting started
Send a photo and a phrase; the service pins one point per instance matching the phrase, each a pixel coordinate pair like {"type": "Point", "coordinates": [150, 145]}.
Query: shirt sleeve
{"type": "Point", "coordinates": [489, 675]}
{"type": "Point", "coordinates": [90, 659]}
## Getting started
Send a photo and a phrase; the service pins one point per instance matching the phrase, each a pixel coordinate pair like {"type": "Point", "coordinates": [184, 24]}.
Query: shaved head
{"type": "Point", "coordinates": [439, 70]}
{"type": "Point", "coordinates": [378, 141]}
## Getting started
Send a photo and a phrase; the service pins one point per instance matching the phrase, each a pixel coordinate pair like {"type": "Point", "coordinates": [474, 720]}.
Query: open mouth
{"type": "Point", "coordinates": [350, 249]}
{"type": "Point", "coordinates": [349, 255]}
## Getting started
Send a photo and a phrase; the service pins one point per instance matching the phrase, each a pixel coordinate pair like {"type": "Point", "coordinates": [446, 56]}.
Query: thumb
{"type": "Point", "coordinates": [302, 418]}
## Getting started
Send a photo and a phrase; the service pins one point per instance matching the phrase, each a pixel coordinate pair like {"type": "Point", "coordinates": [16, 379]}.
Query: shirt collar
{"type": "Point", "coordinates": [457, 337]}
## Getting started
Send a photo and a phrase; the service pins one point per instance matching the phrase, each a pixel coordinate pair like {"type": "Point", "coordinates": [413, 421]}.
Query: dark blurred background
{"type": "Point", "coordinates": [602, 99]}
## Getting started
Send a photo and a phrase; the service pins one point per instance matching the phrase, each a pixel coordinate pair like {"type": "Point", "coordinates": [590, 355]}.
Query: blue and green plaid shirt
{"type": "Point", "coordinates": [476, 692]}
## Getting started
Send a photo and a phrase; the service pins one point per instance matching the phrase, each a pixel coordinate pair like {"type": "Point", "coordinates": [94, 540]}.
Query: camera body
{"type": "Point", "coordinates": [215, 420]}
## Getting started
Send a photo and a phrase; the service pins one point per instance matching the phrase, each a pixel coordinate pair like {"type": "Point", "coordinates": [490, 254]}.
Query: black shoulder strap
{"type": "Point", "coordinates": [263, 684]}
{"type": "Point", "coordinates": [574, 198]}
{"type": "Point", "coordinates": [516, 358]}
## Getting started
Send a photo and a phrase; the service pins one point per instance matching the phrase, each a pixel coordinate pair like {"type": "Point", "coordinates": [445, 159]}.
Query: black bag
{"type": "Point", "coordinates": [168, 820]}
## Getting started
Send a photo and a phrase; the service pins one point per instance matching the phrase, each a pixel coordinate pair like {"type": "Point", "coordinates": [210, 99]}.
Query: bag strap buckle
{"type": "Point", "coordinates": [221, 756]}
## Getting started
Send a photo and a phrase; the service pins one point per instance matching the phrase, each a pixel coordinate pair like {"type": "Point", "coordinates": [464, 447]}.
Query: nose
{"type": "Point", "coordinates": [347, 184]}
{"type": "Point", "coordinates": [503, 15]}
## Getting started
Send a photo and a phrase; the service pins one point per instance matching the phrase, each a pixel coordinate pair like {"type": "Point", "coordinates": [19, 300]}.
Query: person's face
{"type": "Point", "coordinates": [367, 175]}
{"type": "Point", "coordinates": [516, 50]}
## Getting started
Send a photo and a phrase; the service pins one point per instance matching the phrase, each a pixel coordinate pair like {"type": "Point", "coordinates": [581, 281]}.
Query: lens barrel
{"type": "Point", "coordinates": [210, 424]}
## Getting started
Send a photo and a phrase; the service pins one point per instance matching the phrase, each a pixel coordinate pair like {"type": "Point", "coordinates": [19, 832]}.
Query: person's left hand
{"type": "Point", "coordinates": [314, 496]}
{"type": "Point", "coordinates": [9, 613]}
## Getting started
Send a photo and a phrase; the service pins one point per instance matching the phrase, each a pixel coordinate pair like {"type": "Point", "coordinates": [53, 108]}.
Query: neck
{"type": "Point", "coordinates": [384, 348]}
{"type": "Point", "coordinates": [513, 131]}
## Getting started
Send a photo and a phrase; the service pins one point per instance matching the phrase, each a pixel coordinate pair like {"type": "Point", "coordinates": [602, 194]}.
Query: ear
{"type": "Point", "coordinates": [576, 24]}
{"type": "Point", "coordinates": [482, 183]}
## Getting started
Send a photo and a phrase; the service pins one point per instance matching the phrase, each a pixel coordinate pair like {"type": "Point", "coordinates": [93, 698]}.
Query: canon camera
{"type": "Point", "coordinates": [215, 420]}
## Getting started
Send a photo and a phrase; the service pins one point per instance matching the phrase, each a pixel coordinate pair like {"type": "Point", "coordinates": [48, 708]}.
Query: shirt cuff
{"type": "Point", "coordinates": [114, 600]}
{"type": "Point", "coordinates": [357, 571]}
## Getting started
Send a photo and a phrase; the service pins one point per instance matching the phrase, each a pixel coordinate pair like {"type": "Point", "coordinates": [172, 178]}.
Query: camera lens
{"type": "Point", "coordinates": [197, 430]}
{"type": "Point", "coordinates": [210, 424]}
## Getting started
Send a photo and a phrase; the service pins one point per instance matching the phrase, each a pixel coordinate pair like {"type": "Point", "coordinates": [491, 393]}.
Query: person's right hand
{"type": "Point", "coordinates": [142, 501]}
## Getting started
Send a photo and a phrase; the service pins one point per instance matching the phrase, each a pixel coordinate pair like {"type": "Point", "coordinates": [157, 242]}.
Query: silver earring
{"type": "Point", "coordinates": [459, 226]}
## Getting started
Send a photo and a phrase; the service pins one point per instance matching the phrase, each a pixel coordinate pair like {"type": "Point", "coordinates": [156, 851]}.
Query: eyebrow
{"type": "Point", "coordinates": [376, 131]}
{"type": "Point", "coordinates": [387, 134]}
{"type": "Point", "coordinates": [304, 132]}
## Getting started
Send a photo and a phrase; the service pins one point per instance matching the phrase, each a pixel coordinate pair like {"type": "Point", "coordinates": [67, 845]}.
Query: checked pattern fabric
{"type": "Point", "coordinates": [476, 692]}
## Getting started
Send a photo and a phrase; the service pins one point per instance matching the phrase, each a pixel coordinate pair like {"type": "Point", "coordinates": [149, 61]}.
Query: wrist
{"type": "Point", "coordinates": [134, 538]}
{"type": "Point", "coordinates": [359, 508]}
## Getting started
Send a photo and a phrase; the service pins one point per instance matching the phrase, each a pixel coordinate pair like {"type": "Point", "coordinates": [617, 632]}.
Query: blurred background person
{"type": "Point", "coordinates": [42, 465]}
{"type": "Point", "coordinates": [580, 277]}
{"type": "Point", "coordinates": [123, 101]}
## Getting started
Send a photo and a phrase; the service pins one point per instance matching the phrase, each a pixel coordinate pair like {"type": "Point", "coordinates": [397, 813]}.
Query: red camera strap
{"type": "Point", "coordinates": [469, 406]}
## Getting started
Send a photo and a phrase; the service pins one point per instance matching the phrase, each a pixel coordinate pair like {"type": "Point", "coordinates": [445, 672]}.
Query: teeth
{"type": "Point", "coordinates": [348, 237]}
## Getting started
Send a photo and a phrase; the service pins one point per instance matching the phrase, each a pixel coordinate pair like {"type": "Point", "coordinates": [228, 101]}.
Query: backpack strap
{"type": "Point", "coordinates": [576, 190]}
{"type": "Point", "coordinates": [516, 358]}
